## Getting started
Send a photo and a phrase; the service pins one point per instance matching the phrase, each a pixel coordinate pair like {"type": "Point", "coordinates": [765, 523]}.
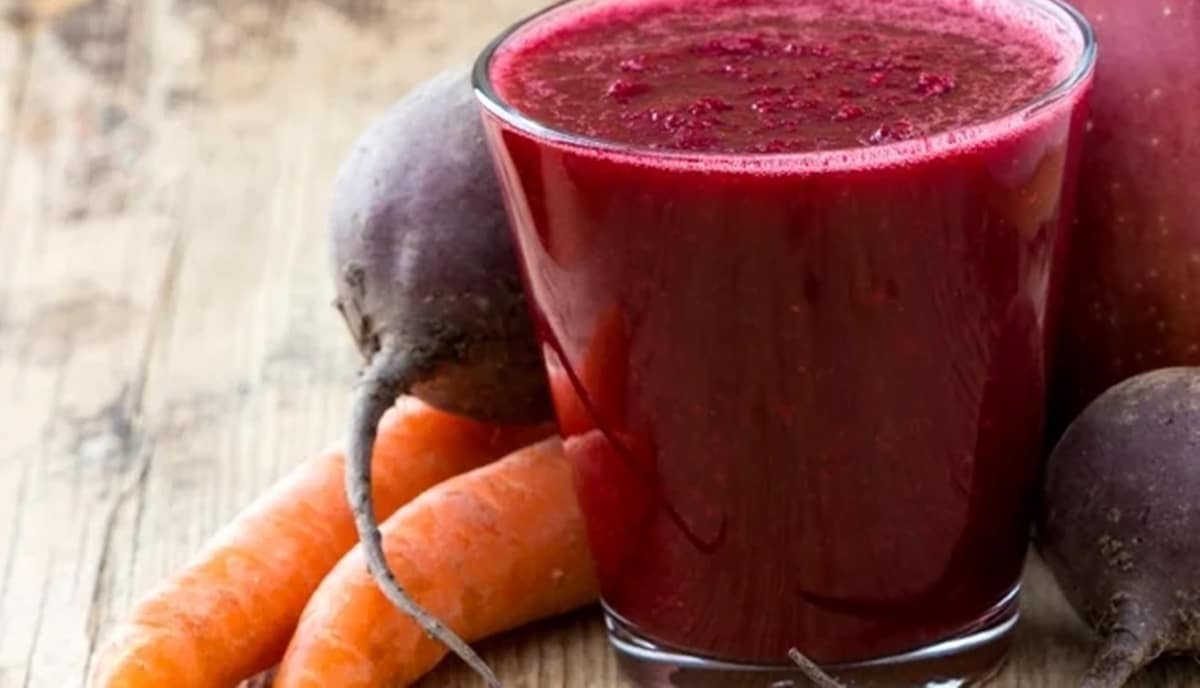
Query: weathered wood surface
{"type": "Point", "coordinates": [167, 348]}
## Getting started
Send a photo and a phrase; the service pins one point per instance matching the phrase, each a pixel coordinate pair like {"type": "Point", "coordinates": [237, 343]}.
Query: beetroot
{"type": "Point", "coordinates": [1120, 520]}
{"type": "Point", "coordinates": [428, 283]}
{"type": "Point", "coordinates": [1131, 287]}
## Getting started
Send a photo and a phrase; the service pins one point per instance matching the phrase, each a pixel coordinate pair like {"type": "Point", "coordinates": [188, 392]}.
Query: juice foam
{"type": "Point", "coordinates": [737, 77]}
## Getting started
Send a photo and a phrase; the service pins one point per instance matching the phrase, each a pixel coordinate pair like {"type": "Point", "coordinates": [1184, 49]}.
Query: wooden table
{"type": "Point", "coordinates": [167, 347]}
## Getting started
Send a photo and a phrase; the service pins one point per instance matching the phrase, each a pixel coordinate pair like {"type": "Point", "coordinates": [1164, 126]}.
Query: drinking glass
{"type": "Point", "coordinates": [802, 394]}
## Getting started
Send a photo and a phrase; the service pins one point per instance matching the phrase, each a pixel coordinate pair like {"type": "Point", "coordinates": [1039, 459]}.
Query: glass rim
{"type": "Point", "coordinates": [494, 103]}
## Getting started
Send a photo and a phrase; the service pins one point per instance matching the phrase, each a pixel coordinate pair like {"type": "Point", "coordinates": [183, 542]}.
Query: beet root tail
{"type": "Point", "coordinates": [812, 672]}
{"type": "Point", "coordinates": [390, 374]}
{"type": "Point", "coordinates": [1124, 653]}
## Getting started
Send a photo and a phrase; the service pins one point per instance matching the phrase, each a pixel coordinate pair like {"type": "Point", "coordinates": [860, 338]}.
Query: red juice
{"type": "Point", "coordinates": [794, 266]}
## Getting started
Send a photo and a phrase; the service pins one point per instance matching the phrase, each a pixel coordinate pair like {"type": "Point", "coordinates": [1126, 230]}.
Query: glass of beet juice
{"type": "Point", "coordinates": [794, 266]}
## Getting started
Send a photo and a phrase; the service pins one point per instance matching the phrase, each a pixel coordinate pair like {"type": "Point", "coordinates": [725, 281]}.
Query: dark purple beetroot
{"type": "Point", "coordinates": [1120, 520]}
{"type": "Point", "coordinates": [428, 283]}
{"type": "Point", "coordinates": [426, 274]}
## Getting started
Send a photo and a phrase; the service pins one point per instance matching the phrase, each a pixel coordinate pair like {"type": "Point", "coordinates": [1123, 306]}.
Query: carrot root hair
{"type": "Point", "coordinates": [391, 372]}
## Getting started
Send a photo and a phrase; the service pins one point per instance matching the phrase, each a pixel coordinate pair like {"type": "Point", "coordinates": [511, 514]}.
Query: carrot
{"type": "Point", "coordinates": [230, 613]}
{"type": "Point", "coordinates": [484, 552]}
{"type": "Point", "coordinates": [597, 396]}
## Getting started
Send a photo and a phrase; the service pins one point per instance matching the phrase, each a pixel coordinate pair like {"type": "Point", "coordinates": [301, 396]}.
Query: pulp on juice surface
{"type": "Point", "coordinates": [769, 76]}
{"type": "Point", "coordinates": [803, 400]}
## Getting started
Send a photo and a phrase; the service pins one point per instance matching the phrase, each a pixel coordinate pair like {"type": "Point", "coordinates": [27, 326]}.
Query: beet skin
{"type": "Point", "coordinates": [424, 265]}
{"type": "Point", "coordinates": [1119, 523]}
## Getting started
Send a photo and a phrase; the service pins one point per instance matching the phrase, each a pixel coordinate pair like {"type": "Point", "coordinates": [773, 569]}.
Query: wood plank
{"type": "Point", "coordinates": [167, 348]}
{"type": "Point", "coordinates": [257, 368]}
{"type": "Point", "coordinates": [15, 52]}
{"type": "Point", "coordinates": [81, 268]}
{"type": "Point", "coordinates": [175, 178]}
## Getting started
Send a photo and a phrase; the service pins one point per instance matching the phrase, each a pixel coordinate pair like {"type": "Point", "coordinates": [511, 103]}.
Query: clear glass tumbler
{"type": "Point", "coordinates": [803, 394]}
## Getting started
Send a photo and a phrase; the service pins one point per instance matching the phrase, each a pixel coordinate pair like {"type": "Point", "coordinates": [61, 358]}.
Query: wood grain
{"type": "Point", "coordinates": [167, 348]}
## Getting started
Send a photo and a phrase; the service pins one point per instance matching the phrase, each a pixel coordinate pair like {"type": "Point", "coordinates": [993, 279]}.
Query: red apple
{"type": "Point", "coordinates": [1132, 291]}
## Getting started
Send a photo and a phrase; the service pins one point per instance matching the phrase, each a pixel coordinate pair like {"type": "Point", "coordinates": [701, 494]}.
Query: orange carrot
{"type": "Point", "coordinates": [230, 613]}
{"type": "Point", "coordinates": [484, 552]}
{"type": "Point", "coordinates": [597, 397]}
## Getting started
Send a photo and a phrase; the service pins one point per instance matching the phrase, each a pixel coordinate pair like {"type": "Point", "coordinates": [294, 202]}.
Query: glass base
{"type": "Point", "coordinates": [964, 660]}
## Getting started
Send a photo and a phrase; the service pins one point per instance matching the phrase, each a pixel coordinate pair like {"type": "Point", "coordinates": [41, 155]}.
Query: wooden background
{"type": "Point", "coordinates": [167, 348]}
